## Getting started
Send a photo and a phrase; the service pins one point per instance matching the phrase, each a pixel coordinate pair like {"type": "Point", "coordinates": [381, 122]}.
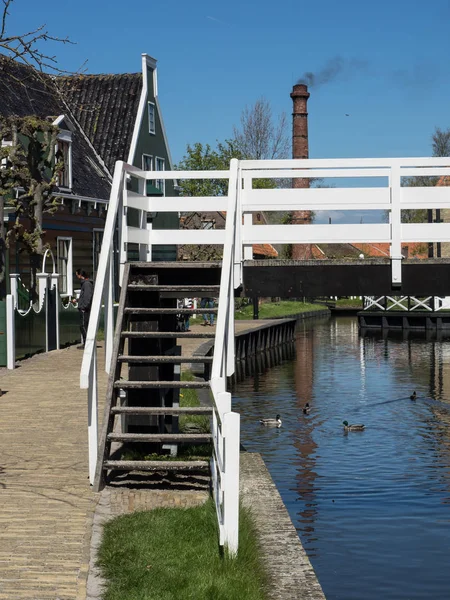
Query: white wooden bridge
{"type": "Point", "coordinates": [383, 189]}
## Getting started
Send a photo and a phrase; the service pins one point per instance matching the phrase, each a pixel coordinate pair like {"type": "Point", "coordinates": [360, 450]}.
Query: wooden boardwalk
{"type": "Point", "coordinates": [45, 498]}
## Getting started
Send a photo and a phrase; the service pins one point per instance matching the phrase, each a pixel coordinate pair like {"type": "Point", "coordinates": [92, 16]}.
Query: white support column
{"type": "Point", "coordinates": [10, 332]}
{"type": "Point", "coordinates": [93, 418]}
{"type": "Point", "coordinates": [14, 284]}
{"type": "Point", "coordinates": [248, 220]}
{"type": "Point", "coordinates": [230, 351]}
{"type": "Point", "coordinates": [238, 270]}
{"type": "Point", "coordinates": [231, 425]}
{"type": "Point", "coordinates": [54, 284]}
{"type": "Point", "coordinates": [396, 226]}
{"type": "Point", "coordinates": [149, 246]}
{"type": "Point", "coordinates": [143, 248]}
{"type": "Point", "coordinates": [109, 313]}
{"type": "Point", "coordinates": [123, 233]}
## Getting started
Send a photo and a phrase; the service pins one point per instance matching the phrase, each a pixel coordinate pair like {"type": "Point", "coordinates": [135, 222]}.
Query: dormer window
{"type": "Point", "coordinates": [151, 118]}
{"type": "Point", "coordinates": [64, 151]}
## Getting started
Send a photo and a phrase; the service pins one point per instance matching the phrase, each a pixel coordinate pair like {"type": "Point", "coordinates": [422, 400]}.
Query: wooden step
{"type": "Point", "coordinates": [170, 311]}
{"type": "Point", "coordinates": [200, 291]}
{"type": "Point", "coordinates": [172, 264]}
{"type": "Point", "coordinates": [162, 410]}
{"type": "Point", "coordinates": [156, 465]}
{"type": "Point", "coordinates": [199, 438]}
{"type": "Point", "coordinates": [167, 334]}
{"type": "Point", "coordinates": [124, 384]}
{"type": "Point", "coordinates": [165, 359]}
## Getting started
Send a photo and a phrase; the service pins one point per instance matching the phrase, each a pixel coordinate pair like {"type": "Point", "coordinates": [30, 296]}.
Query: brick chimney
{"type": "Point", "coordinates": [300, 97]}
{"type": "Point", "coordinates": [300, 149]}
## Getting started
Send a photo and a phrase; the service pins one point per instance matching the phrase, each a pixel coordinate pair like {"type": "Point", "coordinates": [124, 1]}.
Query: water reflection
{"type": "Point", "coordinates": [372, 508]}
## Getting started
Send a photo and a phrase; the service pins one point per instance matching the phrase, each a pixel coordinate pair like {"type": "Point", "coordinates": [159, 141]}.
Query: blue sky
{"type": "Point", "coordinates": [215, 58]}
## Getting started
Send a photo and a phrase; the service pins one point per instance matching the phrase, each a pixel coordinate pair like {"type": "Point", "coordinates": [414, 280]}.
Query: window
{"type": "Point", "coordinates": [160, 166]}
{"type": "Point", "coordinates": [97, 238]}
{"type": "Point", "coordinates": [5, 144]}
{"type": "Point", "coordinates": [147, 165]}
{"type": "Point", "coordinates": [147, 162]}
{"type": "Point", "coordinates": [64, 152]}
{"type": "Point", "coordinates": [151, 118]}
{"type": "Point", "coordinates": [64, 265]}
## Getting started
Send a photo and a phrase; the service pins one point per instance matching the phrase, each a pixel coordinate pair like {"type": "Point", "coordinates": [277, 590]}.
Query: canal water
{"type": "Point", "coordinates": [372, 508]}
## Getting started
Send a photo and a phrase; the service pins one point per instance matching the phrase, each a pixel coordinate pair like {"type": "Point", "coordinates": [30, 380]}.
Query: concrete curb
{"type": "Point", "coordinates": [291, 574]}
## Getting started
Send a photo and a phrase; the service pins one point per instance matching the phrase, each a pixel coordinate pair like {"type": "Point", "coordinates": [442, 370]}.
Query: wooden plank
{"type": "Point", "coordinates": [170, 311]}
{"type": "Point", "coordinates": [156, 465]}
{"type": "Point", "coordinates": [164, 410]}
{"type": "Point", "coordinates": [126, 385]}
{"type": "Point", "coordinates": [198, 289]}
{"type": "Point", "coordinates": [166, 334]}
{"type": "Point", "coordinates": [160, 437]}
{"type": "Point", "coordinates": [165, 359]}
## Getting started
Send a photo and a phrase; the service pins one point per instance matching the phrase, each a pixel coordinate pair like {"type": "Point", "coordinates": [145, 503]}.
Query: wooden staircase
{"type": "Point", "coordinates": [142, 407]}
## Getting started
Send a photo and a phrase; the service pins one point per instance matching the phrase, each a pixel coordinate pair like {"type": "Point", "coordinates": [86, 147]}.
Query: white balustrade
{"type": "Point", "coordinates": [383, 189]}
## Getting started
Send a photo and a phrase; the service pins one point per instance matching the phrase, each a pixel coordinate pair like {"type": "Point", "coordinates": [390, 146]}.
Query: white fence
{"type": "Point", "coordinates": [380, 187]}
{"type": "Point", "coordinates": [406, 303]}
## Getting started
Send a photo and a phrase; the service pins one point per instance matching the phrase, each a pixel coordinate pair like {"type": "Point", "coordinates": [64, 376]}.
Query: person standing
{"type": "Point", "coordinates": [208, 318]}
{"type": "Point", "coordinates": [84, 303]}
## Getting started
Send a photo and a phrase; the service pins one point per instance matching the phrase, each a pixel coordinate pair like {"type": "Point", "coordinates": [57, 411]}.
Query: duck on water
{"type": "Point", "coordinates": [271, 422]}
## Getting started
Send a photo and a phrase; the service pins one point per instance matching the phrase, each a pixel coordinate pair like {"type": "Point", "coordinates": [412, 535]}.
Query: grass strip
{"type": "Point", "coordinates": [277, 309]}
{"type": "Point", "coordinates": [173, 554]}
{"type": "Point", "coordinates": [189, 398]}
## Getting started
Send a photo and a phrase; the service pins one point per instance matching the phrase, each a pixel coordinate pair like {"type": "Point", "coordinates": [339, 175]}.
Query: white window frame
{"type": "Point", "coordinates": [69, 266]}
{"type": "Point", "coordinates": [151, 111]}
{"type": "Point", "coordinates": [160, 183]}
{"type": "Point", "coordinates": [5, 144]}
{"type": "Point", "coordinates": [66, 138]}
{"type": "Point", "coordinates": [94, 231]}
{"type": "Point", "coordinates": [150, 156]}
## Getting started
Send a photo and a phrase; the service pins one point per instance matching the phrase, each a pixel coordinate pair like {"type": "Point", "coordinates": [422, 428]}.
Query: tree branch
{"type": "Point", "coordinates": [25, 46]}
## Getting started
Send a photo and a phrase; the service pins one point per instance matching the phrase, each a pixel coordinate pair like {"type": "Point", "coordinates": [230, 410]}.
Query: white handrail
{"type": "Point", "coordinates": [105, 255]}
{"type": "Point", "coordinates": [88, 375]}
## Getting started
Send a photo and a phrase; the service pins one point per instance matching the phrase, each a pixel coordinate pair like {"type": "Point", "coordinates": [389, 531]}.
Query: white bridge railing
{"type": "Point", "coordinates": [368, 184]}
{"type": "Point", "coordinates": [406, 303]}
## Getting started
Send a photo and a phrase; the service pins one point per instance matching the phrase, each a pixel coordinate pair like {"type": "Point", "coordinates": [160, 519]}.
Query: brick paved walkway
{"type": "Point", "coordinates": [46, 504]}
{"type": "Point", "coordinates": [46, 501]}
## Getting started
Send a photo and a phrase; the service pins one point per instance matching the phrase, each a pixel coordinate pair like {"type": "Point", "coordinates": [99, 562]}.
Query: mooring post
{"type": "Point", "coordinates": [255, 308]}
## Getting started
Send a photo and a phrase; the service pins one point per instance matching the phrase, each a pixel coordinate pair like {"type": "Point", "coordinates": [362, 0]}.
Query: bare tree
{"type": "Point", "coordinates": [27, 46]}
{"type": "Point", "coordinates": [441, 142]}
{"type": "Point", "coordinates": [259, 135]}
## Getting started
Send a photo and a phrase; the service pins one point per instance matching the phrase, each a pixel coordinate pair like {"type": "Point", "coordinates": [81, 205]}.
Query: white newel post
{"type": "Point", "coordinates": [54, 284]}
{"type": "Point", "coordinates": [396, 226]}
{"type": "Point", "coordinates": [93, 417]}
{"type": "Point", "coordinates": [13, 284]}
{"type": "Point", "coordinates": [10, 332]}
{"type": "Point", "coordinates": [231, 424]}
{"type": "Point", "coordinates": [43, 297]}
